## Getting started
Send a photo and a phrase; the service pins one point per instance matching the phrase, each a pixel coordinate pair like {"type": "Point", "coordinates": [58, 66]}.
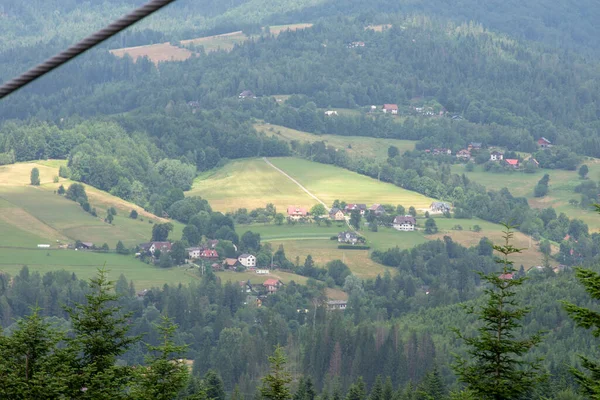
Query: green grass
{"type": "Point", "coordinates": [85, 264]}
{"type": "Point", "coordinates": [387, 238]}
{"type": "Point", "coordinates": [328, 183]}
{"type": "Point", "coordinates": [355, 146]}
{"type": "Point", "coordinates": [298, 231]}
{"type": "Point", "coordinates": [561, 188]}
{"type": "Point", "coordinates": [35, 215]}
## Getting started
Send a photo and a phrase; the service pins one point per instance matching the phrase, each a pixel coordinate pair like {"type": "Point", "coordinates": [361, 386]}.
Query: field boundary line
{"type": "Point", "coordinates": [296, 182]}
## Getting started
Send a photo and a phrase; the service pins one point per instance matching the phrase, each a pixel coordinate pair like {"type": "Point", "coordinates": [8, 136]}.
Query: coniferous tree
{"type": "Point", "coordinates": [357, 390]}
{"type": "Point", "coordinates": [377, 389]}
{"type": "Point", "coordinates": [213, 386]}
{"type": "Point", "coordinates": [388, 389]}
{"type": "Point", "coordinates": [35, 177]}
{"type": "Point", "coordinates": [433, 385]}
{"type": "Point", "coordinates": [165, 375]}
{"type": "Point", "coordinates": [275, 384]}
{"type": "Point", "coordinates": [589, 319]}
{"type": "Point", "coordinates": [101, 335]}
{"type": "Point", "coordinates": [32, 366]}
{"type": "Point", "coordinates": [497, 370]}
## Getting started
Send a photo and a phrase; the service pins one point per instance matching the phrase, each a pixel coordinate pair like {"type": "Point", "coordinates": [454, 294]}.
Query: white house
{"type": "Point", "coordinates": [405, 223]}
{"type": "Point", "coordinates": [390, 108]}
{"type": "Point", "coordinates": [194, 252]}
{"type": "Point", "coordinates": [247, 260]}
{"type": "Point", "coordinates": [329, 113]}
{"type": "Point", "coordinates": [496, 156]}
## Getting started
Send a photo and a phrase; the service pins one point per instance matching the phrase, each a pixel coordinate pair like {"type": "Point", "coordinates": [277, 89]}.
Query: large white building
{"type": "Point", "coordinates": [247, 260]}
{"type": "Point", "coordinates": [405, 223]}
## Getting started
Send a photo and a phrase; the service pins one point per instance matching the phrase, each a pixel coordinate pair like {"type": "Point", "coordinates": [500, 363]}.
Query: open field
{"type": "Point", "coordinates": [530, 255]}
{"type": "Point", "coordinates": [250, 184]}
{"type": "Point", "coordinates": [358, 146]}
{"type": "Point", "coordinates": [561, 188]}
{"type": "Point", "coordinates": [323, 251]}
{"type": "Point", "coordinates": [85, 264]}
{"type": "Point", "coordinates": [255, 278]}
{"type": "Point", "coordinates": [328, 183]}
{"type": "Point", "coordinates": [167, 52]}
{"type": "Point", "coordinates": [35, 215]}
{"type": "Point", "coordinates": [387, 238]}
{"type": "Point", "coordinates": [286, 231]}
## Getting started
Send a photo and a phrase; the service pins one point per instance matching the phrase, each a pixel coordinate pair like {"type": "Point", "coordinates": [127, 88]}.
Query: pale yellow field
{"type": "Point", "coordinates": [249, 184]}
{"type": "Point", "coordinates": [155, 52]}
{"type": "Point", "coordinates": [378, 28]}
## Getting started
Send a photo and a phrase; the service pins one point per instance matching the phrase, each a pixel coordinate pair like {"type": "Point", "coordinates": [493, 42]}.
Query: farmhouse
{"type": "Point", "coordinates": [390, 108]}
{"type": "Point", "coordinates": [247, 94]}
{"type": "Point", "coordinates": [513, 162]}
{"type": "Point", "coordinates": [464, 153]}
{"type": "Point", "coordinates": [543, 142]}
{"type": "Point", "coordinates": [405, 223]}
{"type": "Point", "coordinates": [216, 267]}
{"type": "Point", "coordinates": [247, 260]}
{"type": "Point", "coordinates": [496, 156]}
{"type": "Point", "coordinates": [329, 113]}
{"type": "Point", "coordinates": [85, 245]}
{"type": "Point", "coordinates": [474, 146]}
{"type": "Point", "coordinates": [336, 214]}
{"type": "Point", "coordinates": [348, 237]}
{"type": "Point", "coordinates": [336, 305]}
{"type": "Point", "coordinates": [193, 252]}
{"type": "Point", "coordinates": [439, 206]}
{"type": "Point", "coordinates": [356, 44]}
{"type": "Point", "coordinates": [272, 285]}
{"type": "Point", "coordinates": [153, 246]}
{"type": "Point", "coordinates": [230, 263]}
{"type": "Point", "coordinates": [209, 254]}
{"type": "Point", "coordinates": [377, 209]}
{"type": "Point", "coordinates": [296, 213]}
{"type": "Point", "coordinates": [352, 207]}
{"type": "Point", "coordinates": [441, 151]}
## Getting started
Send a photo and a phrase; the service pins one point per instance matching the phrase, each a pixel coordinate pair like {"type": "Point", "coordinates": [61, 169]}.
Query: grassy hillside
{"type": "Point", "coordinates": [561, 188]}
{"type": "Point", "coordinates": [32, 215]}
{"type": "Point", "coordinates": [328, 183]}
{"type": "Point", "coordinates": [358, 146]}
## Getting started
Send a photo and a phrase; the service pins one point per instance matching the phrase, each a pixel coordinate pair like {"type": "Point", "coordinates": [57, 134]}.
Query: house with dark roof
{"type": "Point", "coordinates": [247, 260]}
{"type": "Point", "coordinates": [496, 156]}
{"type": "Point", "coordinates": [336, 214]}
{"type": "Point", "coordinates": [247, 94]}
{"type": "Point", "coordinates": [337, 305]}
{"type": "Point", "coordinates": [354, 207]}
{"type": "Point", "coordinates": [440, 206]}
{"type": "Point", "coordinates": [404, 223]}
{"type": "Point", "coordinates": [194, 252]}
{"type": "Point", "coordinates": [474, 146]}
{"type": "Point", "coordinates": [377, 209]}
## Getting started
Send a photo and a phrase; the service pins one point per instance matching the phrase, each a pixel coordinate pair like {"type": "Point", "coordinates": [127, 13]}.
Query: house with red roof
{"type": "Point", "coordinates": [513, 162]}
{"type": "Point", "coordinates": [295, 213]}
{"type": "Point", "coordinates": [271, 285]}
{"type": "Point", "coordinates": [543, 142]}
{"type": "Point", "coordinates": [390, 109]}
{"type": "Point", "coordinates": [506, 277]}
{"type": "Point", "coordinates": [209, 254]}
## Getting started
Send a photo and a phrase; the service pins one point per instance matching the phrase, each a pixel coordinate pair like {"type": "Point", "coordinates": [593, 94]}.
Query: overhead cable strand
{"type": "Point", "coordinates": [84, 45]}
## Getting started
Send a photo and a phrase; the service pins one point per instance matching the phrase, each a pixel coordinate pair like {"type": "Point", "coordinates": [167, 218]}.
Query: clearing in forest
{"type": "Point", "coordinates": [356, 146]}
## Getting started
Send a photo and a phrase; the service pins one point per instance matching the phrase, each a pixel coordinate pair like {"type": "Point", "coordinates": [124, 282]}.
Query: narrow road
{"type": "Point", "coordinates": [296, 182]}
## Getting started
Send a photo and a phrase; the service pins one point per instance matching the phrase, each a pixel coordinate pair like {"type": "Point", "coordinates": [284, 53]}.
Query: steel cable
{"type": "Point", "coordinates": [84, 45]}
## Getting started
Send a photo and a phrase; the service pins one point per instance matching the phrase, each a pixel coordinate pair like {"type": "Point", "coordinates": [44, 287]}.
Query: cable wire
{"type": "Point", "coordinates": [84, 45]}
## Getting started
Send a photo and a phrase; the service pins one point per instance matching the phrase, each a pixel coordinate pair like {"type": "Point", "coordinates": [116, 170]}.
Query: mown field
{"type": "Point", "coordinates": [357, 146]}
{"type": "Point", "coordinates": [329, 183]}
{"type": "Point", "coordinates": [561, 188]}
{"type": "Point", "coordinates": [167, 52]}
{"type": "Point", "coordinates": [36, 215]}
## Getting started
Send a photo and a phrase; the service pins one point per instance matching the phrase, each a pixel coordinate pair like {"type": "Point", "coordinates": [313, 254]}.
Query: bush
{"type": "Point", "coordinates": [64, 172]}
{"type": "Point", "coordinates": [353, 247]}
{"type": "Point", "coordinates": [55, 179]}
{"type": "Point", "coordinates": [333, 238]}
{"type": "Point", "coordinates": [133, 214]}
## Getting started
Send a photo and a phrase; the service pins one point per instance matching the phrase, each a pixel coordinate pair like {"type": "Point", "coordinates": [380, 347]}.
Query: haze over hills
{"type": "Point", "coordinates": [329, 176]}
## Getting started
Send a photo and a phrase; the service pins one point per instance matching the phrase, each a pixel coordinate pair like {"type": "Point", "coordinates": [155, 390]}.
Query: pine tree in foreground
{"type": "Point", "coordinates": [275, 384]}
{"type": "Point", "coordinates": [165, 375]}
{"type": "Point", "coordinates": [101, 335]}
{"type": "Point", "coordinates": [586, 318]}
{"type": "Point", "coordinates": [496, 369]}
